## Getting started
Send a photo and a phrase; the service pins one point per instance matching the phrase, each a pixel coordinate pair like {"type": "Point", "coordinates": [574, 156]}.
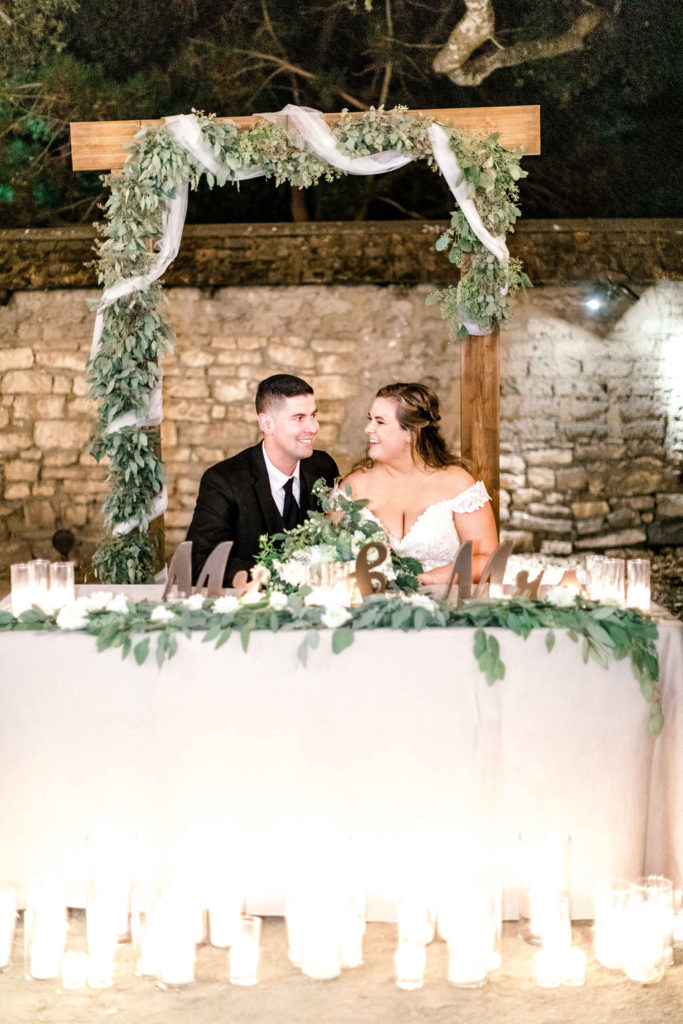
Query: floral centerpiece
{"type": "Point", "coordinates": [332, 536]}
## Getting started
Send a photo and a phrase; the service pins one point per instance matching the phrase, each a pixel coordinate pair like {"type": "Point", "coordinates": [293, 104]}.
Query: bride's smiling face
{"type": "Point", "coordinates": [388, 440]}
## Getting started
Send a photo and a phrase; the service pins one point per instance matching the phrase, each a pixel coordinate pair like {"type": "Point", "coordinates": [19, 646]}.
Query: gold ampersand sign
{"type": "Point", "coordinates": [368, 580]}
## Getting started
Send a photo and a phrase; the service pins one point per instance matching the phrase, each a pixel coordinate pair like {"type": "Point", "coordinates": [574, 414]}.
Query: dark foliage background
{"type": "Point", "coordinates": [610, 110]}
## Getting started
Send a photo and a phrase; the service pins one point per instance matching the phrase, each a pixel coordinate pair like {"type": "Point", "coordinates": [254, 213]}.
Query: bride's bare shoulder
{"type": "Point", "coordinates": [456, 479]}
{"type": "Point", "coordinates": [359, 481]}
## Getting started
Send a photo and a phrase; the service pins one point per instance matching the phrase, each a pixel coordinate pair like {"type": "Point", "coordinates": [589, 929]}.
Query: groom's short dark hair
{"type": "Point", "coordinates": [280, 385]}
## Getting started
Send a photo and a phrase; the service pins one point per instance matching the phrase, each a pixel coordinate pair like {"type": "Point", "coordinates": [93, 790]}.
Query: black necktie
{"type": "Point", "coordinates": [290, 511]}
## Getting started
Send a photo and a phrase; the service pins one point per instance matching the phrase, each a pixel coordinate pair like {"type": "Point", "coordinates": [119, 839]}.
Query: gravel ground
{"type": "Point", "coordinates": [364, 995]}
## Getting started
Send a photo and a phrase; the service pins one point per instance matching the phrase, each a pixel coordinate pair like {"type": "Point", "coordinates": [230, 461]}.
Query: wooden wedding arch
{"type": "Point", "coordinates": [103, 146]}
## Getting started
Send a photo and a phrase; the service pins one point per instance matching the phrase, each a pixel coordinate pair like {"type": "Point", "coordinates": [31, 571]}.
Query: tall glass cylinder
{"type": "Point", "coordinates": [23, 592]}
{"type": "Point", "coordinates": [544, 868]}
{"type": "Point", "coordinates": [44, 928]}
{"type": "Point", "coordinates": [638, 584]}
{"type": "Point", "coordinates": [244, 952]}
{"type": "Point", "coordinates": [611, 898]}
{"type": "Point", "coordinates": [62, 589]}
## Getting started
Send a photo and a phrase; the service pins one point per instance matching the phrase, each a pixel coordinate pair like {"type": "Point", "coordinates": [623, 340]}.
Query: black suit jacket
{"type": "Point", "coordinates": [235, 503]}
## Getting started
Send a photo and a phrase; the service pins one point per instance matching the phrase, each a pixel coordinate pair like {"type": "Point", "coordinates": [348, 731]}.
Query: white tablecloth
{"type": "Point", "coordinates": [396, 733]}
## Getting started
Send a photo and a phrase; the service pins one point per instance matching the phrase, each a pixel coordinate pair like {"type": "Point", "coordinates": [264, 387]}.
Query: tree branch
{"type": "Point", "coordinates": [477, 27]}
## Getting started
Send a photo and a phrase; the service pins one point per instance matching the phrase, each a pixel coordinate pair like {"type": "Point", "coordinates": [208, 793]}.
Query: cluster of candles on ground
{"type": "Point", "coordinates": [637, 925]}
{"type": "Point", "coordinates": [49, 585]}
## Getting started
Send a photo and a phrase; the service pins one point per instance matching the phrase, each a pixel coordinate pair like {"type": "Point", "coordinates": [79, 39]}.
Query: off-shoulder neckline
{"type": "Point", "coordinates": [435, 504]}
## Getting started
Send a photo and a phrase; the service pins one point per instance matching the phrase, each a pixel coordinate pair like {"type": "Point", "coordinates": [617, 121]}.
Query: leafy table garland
{"type": "Point", "coordinates": [133, 334]}
{"type": "Point", "coordinates": [604, 631]}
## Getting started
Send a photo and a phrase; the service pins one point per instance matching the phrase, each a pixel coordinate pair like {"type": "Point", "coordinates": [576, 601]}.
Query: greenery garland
{"type": "Point", "coordinates": [136, 333]}
{"type": "Point", "coordinates": [604, 631]}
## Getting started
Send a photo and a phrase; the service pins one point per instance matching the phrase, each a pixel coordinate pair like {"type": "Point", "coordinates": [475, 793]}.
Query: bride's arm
{"type": "Point", "coordinates": [479, 527]}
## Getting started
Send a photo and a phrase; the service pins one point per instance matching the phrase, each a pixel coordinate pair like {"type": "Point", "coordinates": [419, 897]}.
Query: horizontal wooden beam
{"type": "Point", "coordinates": [102, 145]}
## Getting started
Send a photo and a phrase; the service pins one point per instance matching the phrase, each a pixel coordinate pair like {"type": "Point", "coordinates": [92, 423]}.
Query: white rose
{"type": "Point", "coordinates": [228, 603]}
{"type": "Point", "coordinates": [277, 600]}
{"type": "Point", "coordinates": [98, 601]}
{"type": "Point", "coordinates": [118, 603]}
{"type": "Point", "coordinates": [560, 596]}
{"type": "Point", "coordinates": [293, 573]}
{"type": "Point", "coordinates": [335, 615]}
{"type": "Point", "coordinates": [194, 602]}
{"type": "Point", "coordinates": [161, 614]}
{"type": "Point", "coordinates": [72, 616]}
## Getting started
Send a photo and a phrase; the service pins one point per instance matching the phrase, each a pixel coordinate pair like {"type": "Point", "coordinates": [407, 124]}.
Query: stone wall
{"type": "Point", "coordinates": [591, 403]}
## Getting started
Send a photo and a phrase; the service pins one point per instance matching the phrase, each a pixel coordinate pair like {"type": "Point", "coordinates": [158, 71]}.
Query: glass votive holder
{"type": "Point", "coordinates": [611, 898]}
{"type": "Point", "coordinates": [74, 969]}
{"type": "Point", "coordinates": [23, 591]}
{"type": "Point", "coordinates": [352, 931]}
{"type": "Point", "coordinates": [638, 584]}
{"type": "Point", "coordinates": [615, 575]}
{"type": "Point", "coordinates": [644, 944]}
{"type": "Point", "coordinates": [321, 953]}
{"type": "Point", "coordinates": [410, 960]}
{"type": "Point", "coordinates": [225, 914]}
{"type": "Point", "coordinates": [44, 928]}
{"type": "Point", "coordinates": [102, 928]}
{"type": "Point", "coordinates": [660, 892]}
{"type": "Point", "coordinates": [244, 952]}
{"type": "Point", "coordinates": [574, 973]}
{"type": "Point", "coordinates": [41, 573]}
{"type": "Point", "coordinates": [294, 919]}
{"type": "Point", "coordinates": [414, 922]}
{"type": "Point", "coordinates": [471, 929]}
{"type": "Point", "coordinates": [543, 863]}
{"type": "Point", "coordinates": [595, 572]}
{"type": "Point", "coordinates": [549, 968]}
{"type": "Point", "coordinates": [178, 952]}
{"type": "Point", "coordinates": [146, 926]}
{"type": "Point", "coordinates": [62, 589]}
{"type": "Point", "coordinates": [8, 917]}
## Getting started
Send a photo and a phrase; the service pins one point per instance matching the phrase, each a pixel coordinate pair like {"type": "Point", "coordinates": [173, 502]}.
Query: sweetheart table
{"type": "Point", "coordinates": [397, 736]}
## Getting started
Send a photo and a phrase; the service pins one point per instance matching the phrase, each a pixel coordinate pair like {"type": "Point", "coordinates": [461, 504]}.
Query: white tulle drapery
{"type": "Point", "coordinates": [306, 129]}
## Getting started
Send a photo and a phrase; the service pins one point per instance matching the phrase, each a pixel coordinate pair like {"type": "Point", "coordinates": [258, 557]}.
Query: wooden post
{"type": "Point", "coordinates": [480, 410]}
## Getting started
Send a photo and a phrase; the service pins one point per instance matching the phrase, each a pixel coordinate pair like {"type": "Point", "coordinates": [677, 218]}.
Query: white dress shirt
{"type": "Point", "coordinates": [278, 479]}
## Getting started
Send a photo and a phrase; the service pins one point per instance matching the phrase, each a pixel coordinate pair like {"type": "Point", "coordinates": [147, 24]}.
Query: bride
{"type": "Point", "coordinates": [417, 490]}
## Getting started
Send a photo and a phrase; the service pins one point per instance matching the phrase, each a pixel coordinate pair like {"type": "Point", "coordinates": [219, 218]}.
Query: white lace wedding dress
{"type": "Point", "coordinates": [432, 538]}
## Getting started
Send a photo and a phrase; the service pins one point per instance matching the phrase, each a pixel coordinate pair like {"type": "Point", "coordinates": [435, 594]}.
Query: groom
{"type": "Point", "coordinates": [267, 488]}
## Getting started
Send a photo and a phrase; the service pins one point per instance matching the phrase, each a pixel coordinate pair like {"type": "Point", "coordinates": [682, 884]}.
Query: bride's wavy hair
{"type": "Point", "coordinates": [417, 410]}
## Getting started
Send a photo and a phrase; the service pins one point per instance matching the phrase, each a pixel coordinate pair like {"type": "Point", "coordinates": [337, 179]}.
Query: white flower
{"type": "Point", "coordinates": [320, 596]}
{"type": "Point", "coordinates": [161, 614]}
{"type": "Point", "coordinates": [560, 596]}
{"type": "Point", "coordinates": [118, 603]}
{"type": "Point", "coordinates": [97, 601]}
{"type": "Point", "coordinates": [335, 615]}
{"type": "Point", "coordinates": [292, 572]}
{"type": "Point", "coordinates": [72, 616]}
{"type": "Point", "coordinates": [277, 600]}
{"type": "Point", "coordinates": [194, 602]}
{"type": "Point", "coordinates": [419, 601]}
{"type": "Point", "coordinates": [227, 603]}
{"type": "Point", "coordinates": [321, 553]}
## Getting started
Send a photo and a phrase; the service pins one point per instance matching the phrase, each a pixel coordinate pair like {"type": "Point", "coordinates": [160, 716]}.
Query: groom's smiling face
{"type": "Point", "coordinates": [289, 427]}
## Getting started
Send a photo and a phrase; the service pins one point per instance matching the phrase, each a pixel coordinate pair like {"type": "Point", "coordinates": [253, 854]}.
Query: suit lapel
{"type": "Point", "coordinates": [307, 477]}
{"type": "Point", "coordinates": [264, 495]}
